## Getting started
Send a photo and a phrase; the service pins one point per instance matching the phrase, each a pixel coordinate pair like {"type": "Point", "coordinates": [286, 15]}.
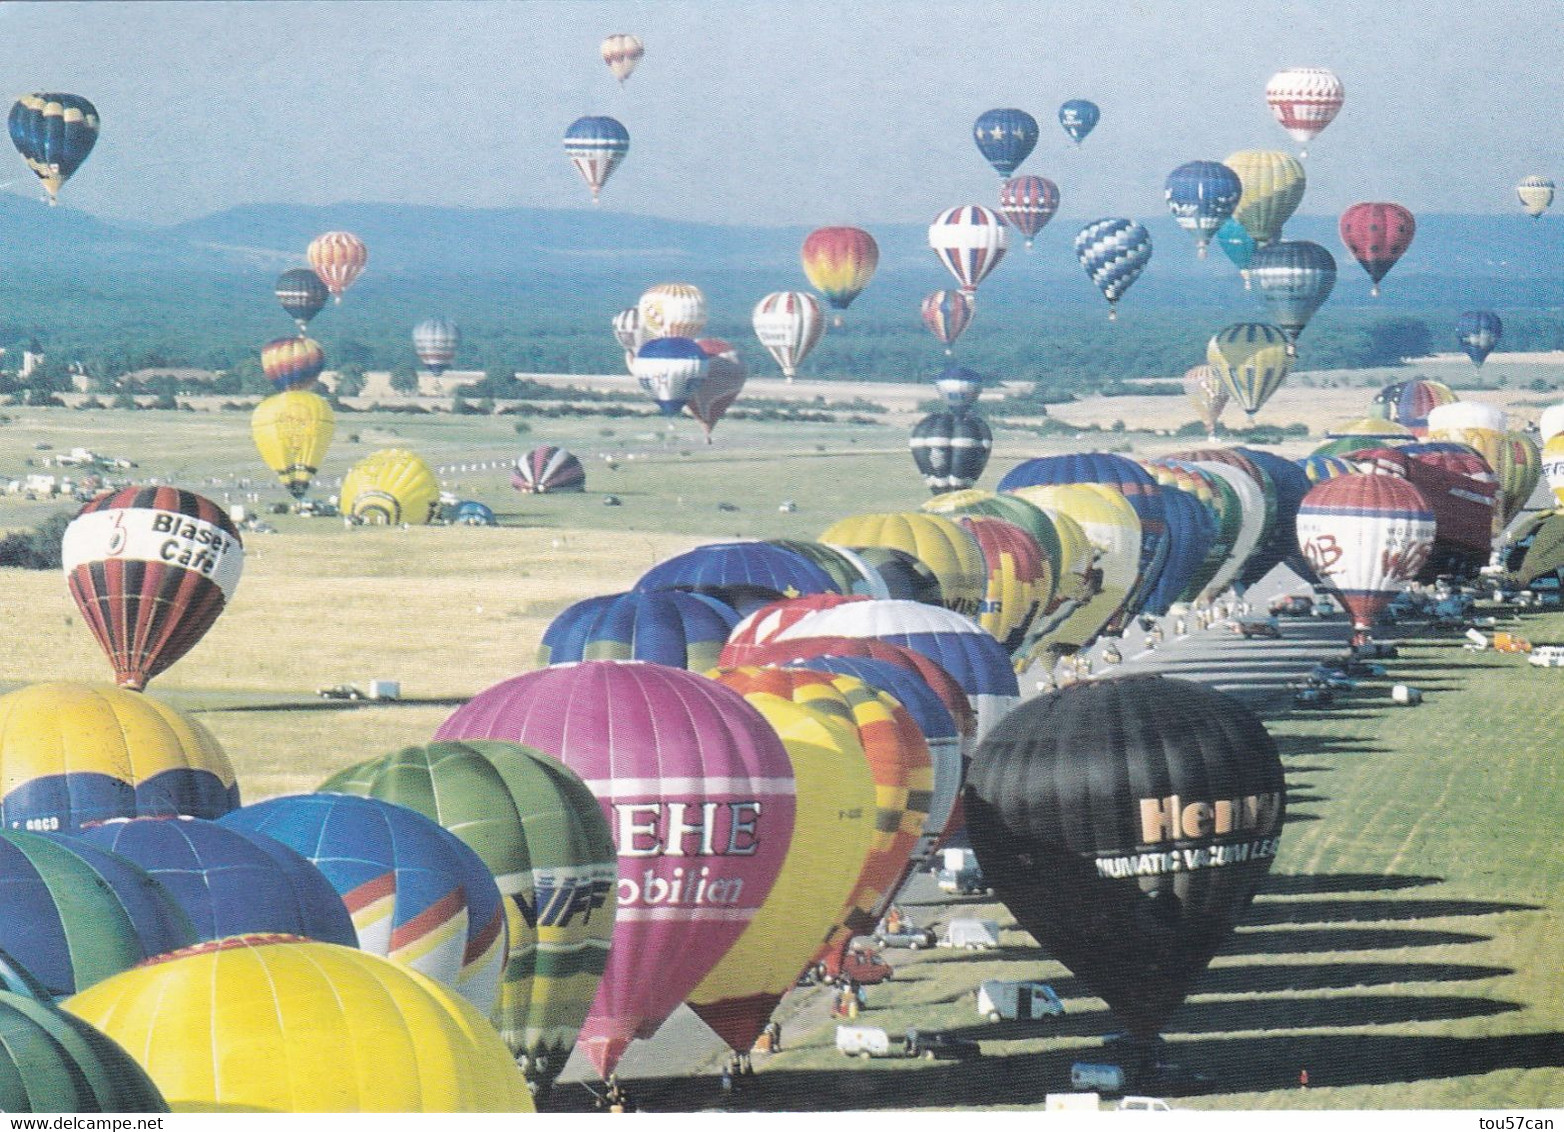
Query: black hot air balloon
{"type": "Point", "coordinates": [302, 295]}
{"type": "Point", "coordinates": [1126, 823]}
{"type": "Point", "coordinates": [951, 449]}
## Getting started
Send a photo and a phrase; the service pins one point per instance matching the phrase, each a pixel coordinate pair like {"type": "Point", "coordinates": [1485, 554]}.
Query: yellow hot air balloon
{"type": "Point", "coordinates": [1076, 579]}
{"type": "Point", "coordinates": [1252, 359]}
{"type": "Point", "coordinates": [832, 831]}
{"type": "Point", "coordinates": [292, 432]}
{"type": "Point", "coordinates": [280, 1024]}
{"type": "Point", "coordinates": [671, 310]}
{"type": "Point", "coordinates": [390, 486]}
{"type": "Point", "coordinates": [939, 543]}
{"type": "Point", "coordinates": [1014, 509]}
{"type": "Point", "coordinates": [1273, 184]}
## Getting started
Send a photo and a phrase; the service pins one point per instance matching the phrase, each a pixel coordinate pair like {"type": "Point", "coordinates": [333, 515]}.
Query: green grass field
{"type": "Point", "coordinates": [1404, 952]}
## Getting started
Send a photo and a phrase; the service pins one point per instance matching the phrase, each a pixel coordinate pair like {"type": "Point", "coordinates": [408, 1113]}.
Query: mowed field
{"type": "Point", "coordinates": [1404, 952]}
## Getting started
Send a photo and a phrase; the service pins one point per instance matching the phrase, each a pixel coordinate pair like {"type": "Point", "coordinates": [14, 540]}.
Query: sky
{"type": "Point", "coordinates": [785, 112]}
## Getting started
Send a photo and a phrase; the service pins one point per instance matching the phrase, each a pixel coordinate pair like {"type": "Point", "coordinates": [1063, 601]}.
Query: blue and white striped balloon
{"type": "Point", "coordinates": [669, 369]}
{"type": "Point", "coordinates": [1114, 252]}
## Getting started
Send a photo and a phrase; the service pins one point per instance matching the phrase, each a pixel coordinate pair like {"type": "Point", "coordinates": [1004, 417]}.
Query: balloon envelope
{"type": "Point", "coordinates": [1477, 333]}
{"type": "Point", "coordinates": [596, 145]}
{"type": "Point", "coordinates": [435, 341]}
{"type": "Point", "coordinates": [1377, 233]}
{"type": "Point", "coordinates": [1273, 183]}
{"type": "Point", "coordinates": [789, 325]}
{"type": "Point", "coordinates": [390, 487]}
{"type": "Point", "coordinates": [1028, 203]}
{"type": "Point", "coordinates": [54, 133]}
{"type": "Point", "coordinates": [338, 258]}
{"type": "Point", "coordinates": [1079, 117]}
{"type": "Point", "coordinates": [548, 468]}
{"type": "Point", "coordinates": [839, 262]}
{"type": "Point", "coordinates": [970, 241]}
{"type": "Point", "coordinates": [1005, 138]}
{"type": "Point", "coordinates": [1201, 195]}
{"type": "Point", "coordinates": [672, 627]}
{"type": "Point", "coordinates": [950, 449]}
{"type": "Point", "coordinates": [1304, 100]}
{"type": "Point", "coordinates": [292, 431]}
{"type": "Point", "coordinates": [302, 294]}
{"type": "Point", "coordinates": [1114, 251]}
{"type": "Point", "coordinates": [51, 1061]}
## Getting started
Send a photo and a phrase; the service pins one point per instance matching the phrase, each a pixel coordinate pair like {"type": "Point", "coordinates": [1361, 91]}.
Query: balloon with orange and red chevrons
{"type": "Point", "coordinates": [293, 362]}
{"type": "Point", "coordinates": [338, 258]}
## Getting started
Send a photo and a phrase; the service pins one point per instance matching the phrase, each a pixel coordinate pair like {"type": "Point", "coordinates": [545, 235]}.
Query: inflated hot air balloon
{"type": "Point", "coordinates": [51, 1061]}
{"type": "Point", "coordinates": [789, 324]}
{"type": "Point", "coordinates": [292, 431]}
{"type": "Point", "coordinates": [725, 376]}
{"type": "Point", "coordinates": [1028, 203]}
{"type": "Point", "coordinates": [1366, 432]}
{"type": "Point", "coordinates": [1208, 393]}
{"type": "Point", "coordinates": [1377, 233]}
{"type": "Point", "coordinates": [548, 468]}
{"type": "Point", "coordinates": [901, 574]}
{"type": "Point", "coordinates": [294, 362]}
{"type": "Point", "coordinates": [832, 833]}
{"type": "Point", "coordinates": [947, 314]}
{"type": "Point", "coordinates": [621, 53]}
{"type": "Point", "coordinates": [73, 914]}
{"type": "Point", "coordinates": [1127, 824]}
{"type": "Point", "coordinates": [543, 838]}
{"type": "Point", "coordinates": [1114, 252]}
{"type": "Point", "coordinates": [1253, 360]}
{"type": "Point", "coordinates": [669, 369]}
{"type": "Point", "coordinates": [960, 386]}
{"type": "Point", "coordinates": [54, 133]}
{"type": "Point", "coordinates": [302, 295]}
{"type": "Point", "coordinates": [699, 792]}
{"type": "Point", "coordinates": [150, 569]}
{"type": "Point", "coordinates": [761, 627]}
{"type": "Point", "coordinates": [969, 240]}
{"type": "Point", "coordinates": [938, 542]}
{"type": "Point", "coordinates": [839, 262]}
{"type": "Point", "coordinates": [1304, 100]}
{"type": "Point", "coordinates": [1366, 537]}
{"type": "Point", "coordinates": [1221, 526]}
{"type": "Point", "coordinates": [718, 566]}
{"type": "Point", "coordinates": [1463, 508]}
{"type": "Point", "coordinates": [1238, 245]}
{"type": "Point", "coordinates": [1020, 578]}
{"type": "Point", "coordinates": [1477, 333]}
{"type": "Point", "coordinates": [416, 893]}
{"type": "Point", "coordinates": [1273, 187]}
{"type": "Point", "coordinates": [273, 1024]}
{"type": "Point", "coordinates": [338, 258]}
{"type": "Point", "coordinates": [627, 329]}
{"type": "Point", "coordinates": [596, 145]}
{"type": "Point", "coordinates": [851, 574]}
{"type": "Point", "coordinates": [1005, 138]}
{"type": "Point", "coordinates": [1320, 468]}
{"type": "Point", "coordinates": [671, 310]}
{"type": "Point", "coordinates": [390, 487]}
{"type": "Point", "coordinates": [228, 881]}
{"type": "Point", "coordinates": [1013, 509]}
{"type": "Point", "coordinates": [1409, 402]}
{"type": "Point", "coordinates": [681, 630]}
{"type": "Point", "coordinates": [1536, 194]}
{"type": "Point", "coordinates": [1295, 277]}
{"type": "Point", "coordinates": [950, 449]}
{"type": "Point", "coordinates": [435, 341]}
{"type": "Point", "coordinates": [1079, 117]}
{"type": "Point", "coordinates": [1201, 195]}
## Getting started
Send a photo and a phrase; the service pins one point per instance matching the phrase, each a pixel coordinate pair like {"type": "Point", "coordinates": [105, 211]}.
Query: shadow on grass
{"type": "Point", "coordinates": [338, 705]}
{"type": "Point", "coordinates": [1308, 941]}
{"type": "Point", "coordinates": [1303, 884]}
{"type": "Point", "coordinates": [1251, 978]}
{"type": "Point", "coordinates": [1265, 913]}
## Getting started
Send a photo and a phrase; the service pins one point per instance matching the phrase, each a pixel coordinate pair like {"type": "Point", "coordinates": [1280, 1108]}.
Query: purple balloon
{"type": "Point", "coordinates": [699, 792]}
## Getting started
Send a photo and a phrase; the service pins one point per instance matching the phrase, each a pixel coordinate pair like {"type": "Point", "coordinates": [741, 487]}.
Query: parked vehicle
{"type": "Point", "coordinates": [935, 1045]}
{"type": "Point", "coordinates": [1291, 605]}
{"type": "Point", "coordinates": [1096, 1077]}
{"type": "Point", "coordinates": [862, 965]}
{"type": "Point", "coordinates": [1071, 1102]}
{"type": "Point", "coordinates": [1547, 656]}
{"type": "Point", "coordinates": [1024, 1001]}
{"type": "Point", "coordinates": [1252, 627]}
{"type": "Point", "coordinates": [960, 873]}
{"type": "Point", "coordinates": [340, 692]}
{"type": "Point", "coordinates": [863, 1041]}
{"type": "Point", "coordinates": [908, 935]}
{"type": "Point", "coordinates": [1144, 1104]}
{"type": "Point", "coordinates": [973, 935]}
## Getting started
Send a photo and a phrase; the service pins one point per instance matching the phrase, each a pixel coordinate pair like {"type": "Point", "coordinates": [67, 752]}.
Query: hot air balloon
{"type": "Point", "coordinates": [150, 569]}
{"type": "Point", "coordinates": [839, 262]}
{"type": "Point", "coordinates": [681, 630]}
{"type": "Point", "coordinates": [960, 386]}
{"type": "Point", "coordinates": [627, 329]}
{"type": "Point", "coordinates": [1114, 252]}
{"type": "Point", "coordinates": [947, 314]}
{"type": "Point", "coordinates": [1463, 508]}
{"type": "Point", "coordinates": [1295, 276]}
{"type": "Point", "coordinates": [263, 1023]}
{"type": "Point", "coordinates": [546, 469]}
{"type": "Point", "coordinates": [596, 145]}
{"type": "Point", "coordinates": [390, 487]}
{"type": "Point", "coordinates": [789, 324]}
{"type": "Point", "coordinates": [416, 893]}
{"type": "Point", "coordinates": [680, 765]}
{"type": "Point", "coordinates": [1013, 509]}
{"type": "Point", "coordinates": [435, 341]}
{"type": "Point", "coordinates": [1536, 194]}
{"type": "Point", "coordinates": [54, 133]}
{"type": "Point", "coordinates": [1366, 537]}
{"type": "Point", "coordinates": [543, 838]}
{"type": "Point", "coordinates": [229, 882]}
{"type": "Point", "coordinates": [292, 431]}
{"type": "Point", "coordinates": [1201, 195]}
{"type": "Point", "coordinates": [338, 258]}
{"type": "Point", "coordinates": [1238, 245]}
{"type": "Point", "coordinates": [725, 376]}
{"type": "Point", "coordinates": [1020, 578]}
{"type": "Point", "coordinates": [970, 241]}
{"type": "Point", "coordinates": [1477, 333]}
{"type": "Point", "coordinates": [1028, 203]}
{"type": "Point", "coordinates": [762, 625]}
{"type": "Point", "coordinates": [51, 1061]}
{"type": "Point", "coordinates": [302, 295]}
{"type": "Point", "coordinates": [74, 914]}
{"type": "Point", "coordinates": [1377, 233]}
{"type": "Point", "coordinates": [851, 574]}
{"type": "Point", "coordinates": [1273, 187]}
{"type": "Point", "coordinates": [669, 369]}
{"type": "Point", "coordinates": [1208, 393]}
{"type": "Point", "coordinates": [293, 362]}
{"type": "Point", "coordinates": [950, 449]}
{"type": "Point", "coordinates": [1221, 526]}
{"type": "Point", "coordinates": [1005, 138]}
{"type": "Point", "coordinates": [1320, 468]}
{"type": "Point", "coordinates": [717, 566]}
{"type": "Point", "coordinates": [622, 53]}
{"type": "Point", "coordinates": [938, 542]}
{"type": "Point", "coordinates": [1127, 823]}
{"type": "Point", "coordinates": [1253, 360]}
{"type": "Point", "coordinates": [1078, 117]}
{"type": "Point", "coordinates": [1409, 402]}
{"type": "Point", "coordinates": [1304, 100]}
{"type": "Point", "coordinates": [671, 310]}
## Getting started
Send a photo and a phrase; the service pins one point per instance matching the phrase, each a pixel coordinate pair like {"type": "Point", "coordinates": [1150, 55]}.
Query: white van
{"type": "Point", "coordinates": [1024, 1001]}
{"type": "Point", "coordinates": [974, 935]}
{"type": "Point", "coordinates": [1144, 1104]}
{"type": "Point", "coordinates": [863, 1041]}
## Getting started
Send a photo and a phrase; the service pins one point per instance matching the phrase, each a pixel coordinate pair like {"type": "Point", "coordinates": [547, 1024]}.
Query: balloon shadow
{"type": "Point", "coordinates": [1301, 941]}
{"type": "Point", "coordinates": [1271, 912]}
{"type": "Point", "coordinates": [1305, 884]}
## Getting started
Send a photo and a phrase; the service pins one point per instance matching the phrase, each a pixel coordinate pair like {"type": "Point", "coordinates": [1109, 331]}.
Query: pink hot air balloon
{"type": "Point", "coordinates": [1366, 536]}
{"type": "Point", "coordinates": [699, 792]}
{"type": "Point", "coordinates": [725, 376]}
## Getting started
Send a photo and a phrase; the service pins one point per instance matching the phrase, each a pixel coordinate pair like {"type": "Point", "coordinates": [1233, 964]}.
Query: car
{"type": "Point", "coordinates": [1327, 677]}
{"type": "Point", "coordinates": [1291, 605]}
{"type": "Point", "coordinates": [340, 692]}
{"type": "Point", "coordinates": [906, 936]}
{"type": "Point", "coordinates": [1144, 1104]}
{"type": "Point", "coordinates": [861, 965]}
{"type": "Point", "coordinates": [1252, 627]}
{"type": "Point", "coordinates": [1313, 695]}
{"type": "Point", "coordinates": [936, 1045]}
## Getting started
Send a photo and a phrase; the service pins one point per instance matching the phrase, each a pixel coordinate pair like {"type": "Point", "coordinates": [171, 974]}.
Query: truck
{"type": "Point", "coordinates": [973, 935]}
{"type": "Point", "coordinates": [959, 873]}
{"type": "Point", "coordinates": [1017, 1001]}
